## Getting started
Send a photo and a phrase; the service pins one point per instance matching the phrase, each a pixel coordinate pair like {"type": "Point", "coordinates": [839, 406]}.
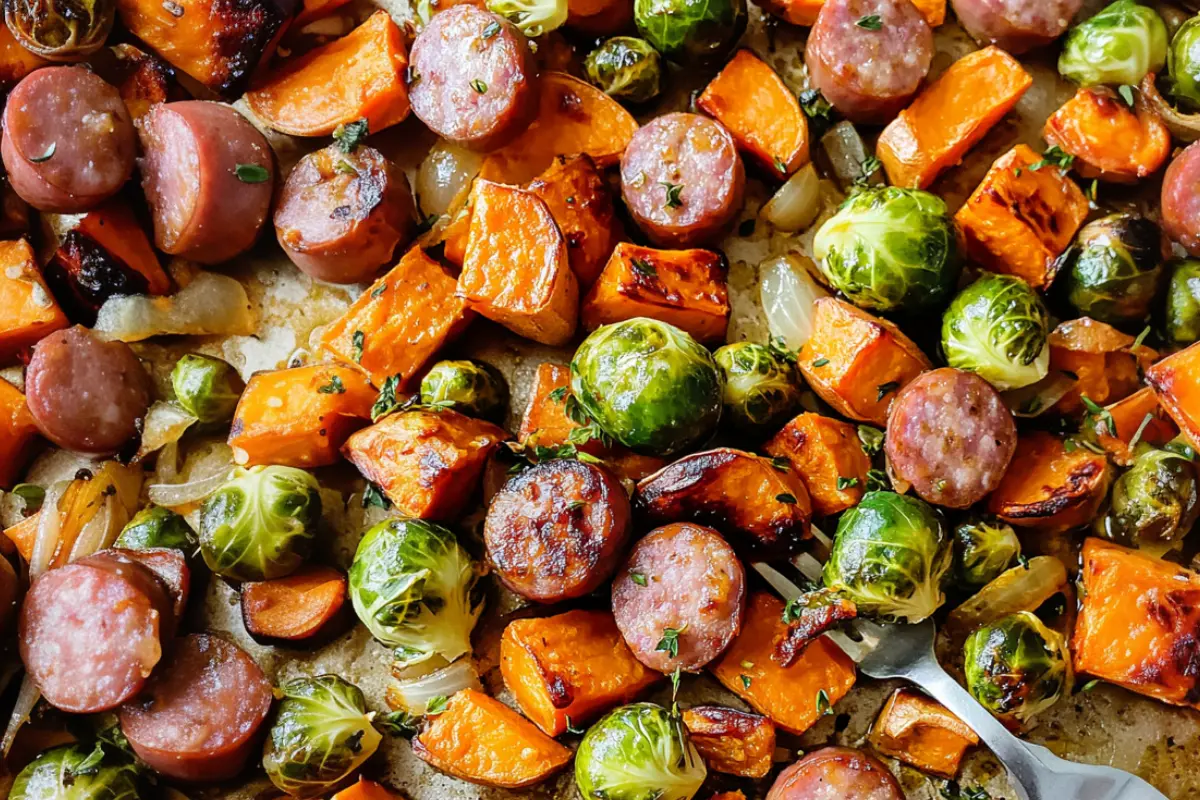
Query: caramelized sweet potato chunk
{"type": "Point", "coordinates": [1050, 485]}
{"type": "Point", "coordinates": [581, 204]}
{"type": "Point", "coordinates": [365, 790]}
{"type": "Point", "coordinates": [1109, 140]}
{"type": "Point", "coordinates": [921, 732]}
{"type": "Point", "coordinates": [17, 434]}
{"type": "Point", "coordinates": [809, 616]}
{"type": "Point", "coordinates": [15, 60]}
{"type": "Point", "coordinates": [305, 606]}
{"type": "Point", "coordinates": [828, 457]}
{"type": "Point", "coordinates": [1176, 382]}
{"type": "Point", "coordinates": [732, 741]}
{"type": "Point", "coordinates": [1139, 415]}
{"type": "Point", "coordinates": [1104, 360]}
{"type": "Point", "coordinates": [28, 312]}
{"type": "Point", "coordinates": [142, 79]}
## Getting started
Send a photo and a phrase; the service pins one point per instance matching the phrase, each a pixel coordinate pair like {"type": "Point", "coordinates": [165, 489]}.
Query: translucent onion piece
{"type": "Point", "coordinates": [97, 533]}
{"type": "Point", "coordinates": [165, 424]}
{"type": "Point", "coordinates": [848, 155]}
{"type": "Point", "coordinates": [210, 305]}
{"type": "Point", "coordinates": [444, 176]}
{"type": "Point", "coordinates": [173, 495]}
{"type": "Point", "coordinates": [26, 699]}
{"type": "Point", "coordinates": [45, 543]}
{"type": "Point", "coordinates": [1022, 588]}
{"type": "Point", "coordinates": [166, 468]}
{"type": "Point", "coordinates": [797, 203]}
{"type": "Point", "coordinates": [413, 695]}
{"type": "Point", "coordinates": [788, 292]}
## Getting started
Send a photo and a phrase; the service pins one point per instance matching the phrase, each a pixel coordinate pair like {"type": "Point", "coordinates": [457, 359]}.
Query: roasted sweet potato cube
{"type": "Point", "coordinates": [1050, 485]}
{"type": "Point", "coordinates": [516, 271]}
{"type": "Point", "coordinates": [732, 741]}
{"type": "Point", "coordinates": [1176, 382]}
{"type": "Point", "coordinates": [28, 312]}
{"type": "Point", "coordinates": [1019, 220]}
{"type": "Point", "coordinates": [365, 790]}
{"type": "Point", "coordinates": [580, 202]}
{"type": "Point", "coordinates": [142, 78]}
{"type": "Point", "coordinates": [857, 362]}
{"type": "Point", "coordinates": [399, 324]}
{"type": "Point", "coordinates": [828, 457]}
{"type": "Point", "coordinates": [299, 417]}
{"type": "Point", "coordinates": [428, 463]}
{"type": "Point", "coordinates": [1139, 414]}
{"type": "Point", "coordinates": [570, 668]}
{"type": "Point", "coordinates": [1104, 360]}
{"type": "Point", "coordinates": [17, 434]}
{"type": "Point", "coordinates": [921, 732]}
{"type": "Point", "coordinates": [307, 607]}
{"type": "Point", "coordinates": [1109, 139]}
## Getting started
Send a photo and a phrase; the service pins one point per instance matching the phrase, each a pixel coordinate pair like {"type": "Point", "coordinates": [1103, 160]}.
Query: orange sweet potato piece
{"type": "Point", "coordinates": [686, 288]}
{"type": "Point", "coordinates": [570, 668]}
{"type": "Point", "coordinates": [826, 454]}
{"type": "Point", "coordinates": [763, 114]}
{"type": "Point", "coordinates": [599, 17]}
{"type": "Point", "coordinates": [1102, 358]}
{"type": "Point", "coordinates": [1139, 411]}
{"type": "Point", "coordinates": [312, 10]}
{"type": "Point", "coordinates": [365, 790]}
{"type": "Point", "coordinates": [804, 12]}
{"type": "Point", "coordinates": [28, 312]}
{"type": "Point", "coordinates": [428, 463]}
{"type": "Point", "coordinates": [786, 695]}
{"type": "Point", "coordinates": [573, 117]}
{"type": "Point", "coordinates": [303, 606]}
{"type": "Point", "coordinates": [359, 76]}
{"type": "Point", "coordinates": [1137, 623]}
{"type": "Point", "coordinates": [732, 741]}
{"type": "Point", "coordinates": [1109, 140]}
{"type": "Point", "coordinates": [950, 116]}
{"type": "Point", "coordinates": [857, 362]}
{"type": "Point", "coordinates": [1176, 381]}
{"type": "Point", "coordinates": [400, 323]}
{"type": "Point", "coordinates": [142, 79]}
{"type": "Point", "coordinates": [17, 434]}
{"type": "Point", "coordinates": [1019, 220]}
{"type": "Point", "coordinates": [299, 417]}
{"type": "Point", "coordinates": [516, 271]}
{"type": "Point", "coordinates": [581, 204]}
{"type": "Point", "coordinates": [15, 60]}
{"type": "Point", "coordinates": [921, 732]}
{"type": "Point", "coordinates": [1050, 485]}
{"type": "Point", "coordinates": [481, 740]}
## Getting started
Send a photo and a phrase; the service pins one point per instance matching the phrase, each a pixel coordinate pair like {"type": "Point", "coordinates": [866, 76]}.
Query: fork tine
{"type": "Point", "coordinates": [786, 589]}
{"type": "Point", "coordinates": [857, 651]}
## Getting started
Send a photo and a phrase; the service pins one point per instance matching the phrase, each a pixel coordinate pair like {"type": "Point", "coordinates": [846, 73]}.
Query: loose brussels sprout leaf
{"type": "Point", "coordinates": [413, 586]}
{"type": "Point", "coordinates": [638, 752]}
{"type": "Point", "coordinates": [76, 772]}
{"type": "Point", "coordinates": [1016, 667]}
{"type": "Point", "coordinates": [1182, 317]}
{"type": "Point", "coordinates": [691, 31]}
{"type": "Point", "coordinates": [649, 385]}
{"type": "Point", "coordinates": [889, 556]}
{"type": "Point", "coordinates": [469, 387]}
{"type": "Point", "coordinates": [890, 249]}
{"type": "Point", "coordinates": [260, 524]}
{"type": "Point", "coordinates": [155, 526]}
{"type": "Point", "coordinates": [533, 17]}
{"type": "Point", "coordinates": [983, 549]}
{"type": "Point", "coordinates": [60, 30]}
{"type": "Point", "coordinates": [207, 388]}
{"type": "Point", "coordinates": [321, 734]}
{"type": "Point", "coordinates": [998, 327]}
{"type": "Point", "coordinates": [1113, 271]}
{"type": "Point", "coordinates": [1118, 46]}
{"type": "Point", "coordinates": [1183, 64]}
{"type": "Point", "coordinates": [626, 68]}
{"type": "Point", "coordinates": [762, 390]}
{"type": "Point", "coordinates": [1153, 503]}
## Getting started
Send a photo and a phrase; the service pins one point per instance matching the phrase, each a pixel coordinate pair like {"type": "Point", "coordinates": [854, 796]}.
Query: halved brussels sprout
{"type": "Point", "coordinates": [691, 31]}
{"type": "Point", "coordinates": [155, 526]}
{"type": "Point", "coordinates": [889, 556]}
{"type": "Point", "coordinates": [1182, 318]}
{"type": "Point", "coordinates": [207, 388]}
{"type": "Point", "coordinates": [762, 388]}
{"type": "Point", "coordinates": [76, 772]}
{"type": "Point", "coordinates": [649, 385]}
{"type": "Point", "coordinates": [413, 586]}
{"type": "Point", "coordinates": [1153, 503]}
{"type": "Point", "coordinates": [533, 17]}
{"type": "Point", "coordinates": [260, 524]}
{"type": "Point", "coordinates": [60, 30]}
{"type": "Point", "coordinates": [625, 67]}
{"type": "Point", "coordinates": [1183, 64]}
{"type": "Point", "coordinates": [1117, 46]}
{"type": "Point", "coordinates": [1113, 271]}
{"type": "Point", "coordinates": [321, 734]}
{"type": "Point", "coordinates": [1016, 667]}
{"type": "Point", "coordinates": [638, 752]}
{"type": "Point", "coordinates": [890, 249]}
{"type": "Point", "coordinates": [983, 548]}
{"type": "Point", "coordinates": [469, 387]}
{"type": "Point", "coordinates": [998, 327]}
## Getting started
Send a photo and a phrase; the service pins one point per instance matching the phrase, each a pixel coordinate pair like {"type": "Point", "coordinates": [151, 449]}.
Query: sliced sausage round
{"type": "Point", "coordinates": [199, 718]}
{"type": "Point", "coordinates": [1181, 199]}
{"type": "Point", "coordinates": [90, 633]}
{"type": "Point", "coordinates": [1016, 25]}
{"type": "Point", "coordinates": [680, 597]}
{"type": "Point", "coordinates": [86, 394]}
{"type": "Point", "coordinates": [682, 179]}
{"type": "Point", "coordinates": [868, 57]}
{"type": "Point", "coordinates": [836, 773]}
{"type": "Point", "coordinates": [167, 563]}
{"type": "Point", "coordinates": [208, 177]}
{"type": "Point", "coordinates": [474, 78]}
{"type": "Point", "coordinates": [340, 216]}
{"type": "Point", "coordinates": [951, 436]}
{"type": "Point", "coordinates": [68, 140]}
{"type": "Point", "coordinates": [557, 530]}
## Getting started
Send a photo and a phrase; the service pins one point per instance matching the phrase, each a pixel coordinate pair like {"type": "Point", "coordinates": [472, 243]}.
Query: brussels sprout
{"type": "Point", "coordinates": [413, 586]}
{"type": "Point", "coordinates": [982, 550]}
{"type": "Point", "coordinates": [533, 17]}
{"type": "Point", "coordinates": [76, 772]}
{"type": "Point", "coordinates": [155, 526]}
{"type": "Point", "coordinates": [626, 68]}
{"type": "Point", "coordinates": [470, 387]}
{"type": "Point", "coordinates": [890, 249]}
{"type": "Point", "coordinates": [260, 524]}
{"type": "Point", "coordinates": [321, 734]}
{"type": "Point", "coordinates": [1113, 271]}
{"type": "Point", "coordinates": [649, 385]}
{"type": "Point", "coordinates": [1182, 324]}
{"type": "Point", "coordinates": [638, 752]}
{"type": "Point", "coordinates": [1153, 503]}
{"type": "Point", "coordinates": [1117, 46]}
{"type": "Point", "coordinates": [1183, 64]}
{"type": "Point", "coordinates": [207, 388]}
{"type": "Point", "coordinates": [1016, 667]}
{"type": "Point", "coordinates": [762, 390]}
{"type": "Point", "coordinates": [691, 31]}
{"type": "Point", "coordinates": [889, 556]}
{"type": "Point", "coordinates": [60, 30]}
{"type": "Point", "coordinates": [998, 327]}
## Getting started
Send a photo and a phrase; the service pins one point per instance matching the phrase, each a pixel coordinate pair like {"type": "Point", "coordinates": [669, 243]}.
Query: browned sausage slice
{"type": "Point", "coordinates": [86, 394]}
{"type": "Point", "coordinates": [682, 179]}
{"type": "Point", "coordinates": [68, 139]}
{"type": "Point", "coordinates": [198, 719]}
{"type": "Point", "coordinates": [557, 530]}
{"type": "Point", "coordinates": [868, 57]}
{"type": "Point", "coordinates": [1016, 25]}
{"type": "Point", "coordinates": [473, 78]}
{"type": "Point", "coordinates": [341, 215]}
{"type": "Point", "coordinates": [1181, 199]}
{"type": "Point", "coordinates": [168, 564]}
{"type": "Point", "coordinates": [836, 773]}
{"type": "Point", "coordinates": [680, 597]}
{"type": "Point", "coordinates": [950, 435]}
{"type": "Point", "coordinates": [90, 634]}
{"type": "Point", "coordinates": [208, 177]}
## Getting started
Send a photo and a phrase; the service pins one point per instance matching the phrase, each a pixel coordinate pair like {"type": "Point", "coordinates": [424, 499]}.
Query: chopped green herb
{"type": "Point", "coordinates": [877, 481]}
{"type": "Point", "coordinates": [1095, 412]}
{"type": "Point", "coordinates": [559, 395]}
{"type": "Point", "coordinates": [350, 135]}
{"type": "Point", "coordinates": [846, 483]}
{"type": "Point", "coordinates": [871, 22]}
{"type": "Point", "coordinates": [670, 641]}
{"type": "Point", "coordinates": [643, 267]}
{"type": "Point", "coordinates": [387, 402]}
{"type": "Point", "coordinates": [820, 362]}
{"type": "Point", "coordinates": [780, 463]}
{"type": "Point", "coordinates": [1126, 92]}
{"type": "Point", "coordinates": [886, 388]}
{"type": "Point", "coordinates": [31, 494]}
{"type": "Point", "coordinates": [436, 705]}
{"type": "Point", "coordinates": [575, 505]}
{"type": "Point", "coordinates": [1055, 156]}
{"type": "Point", "coordinates": [871, 439]}
{"type": "Point", "coordinates": [398, 723]}
{"type": "Point", "coordinates": [491, 30]}
{"type": "Point", "coordinates": [374, 496]}
{"type": "Point", "coordinates": [1141, 337]}
{"type": "Point", "coordinates": [379, 290]}
{"type": "Point", "coordinates": [638, 578]}
{"type": "Point", "coordinates": [824, 707]}
{"type": "Point", "coordinates": [335, 386]}
{"type": "Point", "coordinates": [246, 173]}
{"type": "Point", "coordinates": [745, 681]}
{"type": "Point", "coordinates": [1137, 435]}
{"type": "Point", "coordinates": [1023, 560]}
{"type": "Point", "coordinates": [780, 165]}
{"type": "Point", "coordinates": [674, 190]}
{"type": "Point", "coordinates": [786, 498]}
{"type": "Point", "coordinates": [425, 225]}
{"type": "Point", "coordinates": [570, 726]}
{"type": "Point", "coordinates": [357, 340]}
{"type": "Point", "coordinates": [869, 168]}
{"type": "Point", "coordinates": [1092, 684]}
{"type": "Point", "coordinates": [479, 86]}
